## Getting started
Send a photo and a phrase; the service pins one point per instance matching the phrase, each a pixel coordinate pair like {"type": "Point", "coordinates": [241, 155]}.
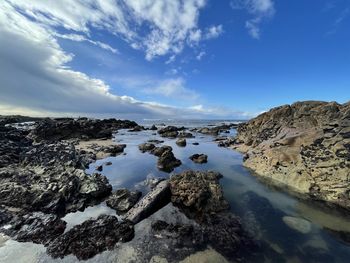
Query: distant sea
{"type": "Point", "coordinates": [187, 122]}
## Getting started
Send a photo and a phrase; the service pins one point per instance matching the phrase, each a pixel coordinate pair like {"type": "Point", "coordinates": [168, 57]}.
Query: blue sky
{"type": "Point", "coordinates": [154, 59]}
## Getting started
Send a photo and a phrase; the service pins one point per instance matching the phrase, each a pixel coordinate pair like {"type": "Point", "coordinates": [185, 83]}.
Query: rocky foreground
{"type": "Point", "coordinates": [42, 178]}
{"type": "Point", "coordinates": [305, 146]}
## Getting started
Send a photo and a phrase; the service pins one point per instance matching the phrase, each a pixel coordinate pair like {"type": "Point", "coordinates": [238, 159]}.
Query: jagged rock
{"type": "Point", "coordinates": [91, 237]}
{"type": "Point", "coordinates": [150, 203]}
{"type": "Point", "coordinates": [137, 129]}
{"type": "Point", "coordinates": [146, 147]}
{"type": "Point", "coordinates": [197, 193]}
{"type": "Point", "coordinates": [199, 158]}
{"type": "Point", "coordinates": [169, 131]}
{"type": "Point", "coordinates": [158, 151]}
{"type": "Point", "coordinates": [122, 200]}
{"type": "Point", "coordinates": [167, 162]}
{"type": "Point", "coordinates": [304, 146]}
{"type": "Point", "coordinates": [51, 190]}
{"type": "Point", "coordinates": [83, 128]}
{"type": "Point", "coordinates": [181, 142]}
{"type": "Point", "coordinates": [153, 128]}
{"type": "Point", "coordinates": [36, 227]}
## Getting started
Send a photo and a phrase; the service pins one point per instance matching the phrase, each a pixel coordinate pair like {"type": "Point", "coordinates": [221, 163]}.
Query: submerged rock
{"type": "Point", "coordinates": [122, 200]}
{"type": "Point", "coordinates": [158, 197]}
{"type": "Point", "coordinates": [91, 237]}
{"type": "Point", "coordinates": [199, 158]}
{"type": "Point", "coordinates": [305, 146]}
{"type": "Point", "coordinates": [181, 142]}
{"type": "Point", "coordinates": [198, 193]}
{"type": "Point", "coordinates": [298, 224]}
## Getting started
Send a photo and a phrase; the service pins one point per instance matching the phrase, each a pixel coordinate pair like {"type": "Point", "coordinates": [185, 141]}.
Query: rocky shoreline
{"type": "Point", "coordinates": [42, 178]}
{"type": "Point", "coordinates": [304, 146]}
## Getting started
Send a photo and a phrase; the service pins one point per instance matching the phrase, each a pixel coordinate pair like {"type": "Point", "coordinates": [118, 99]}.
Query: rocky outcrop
{"type": "Point", "coordinates": [158, 197]}
{"type": "Point", "coordinates": [122, 200]}
{"type": "Point", "coordinates": [305, 146]}
{"type": "Point", "coordinates": [36, 227]}
{"type": "Point", "coordinates": [199, 158]}
{"type": "Point", "coordinates": [216, 129]}
{"type": "Point", "coordinates": [167, 162]}
{"type": "Point", "coordinates": [146, 147]}
{"type": "Point", "coordinates": [82, 128]}
{"type": "Point", "coordinates": [92, 237]}
{"type": "Point", "coordinates": [170, 131]}
{"type": "Point", "coordinates": [198, 193]}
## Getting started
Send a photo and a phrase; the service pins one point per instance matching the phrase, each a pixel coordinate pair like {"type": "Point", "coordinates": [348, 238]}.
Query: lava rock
{"type": "Point", "coordinates": [92, 237]}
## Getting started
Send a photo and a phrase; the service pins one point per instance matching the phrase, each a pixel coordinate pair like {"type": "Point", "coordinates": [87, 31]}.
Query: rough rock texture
{"type": "Point", "coordinates": [170, 131]}
{"type": "Point", "coordinates": [167, 162]}
{"type": "Point", "coordinates": [122, 200]}
{"type": "Point", "coordinates": [158, 151]}
{"type": "Point", "coordinates": [197, 193]}
{"type": "Point", "coordinates": [146, 147]}
{"type": "Point", "coordinates": [181, 142]}
{"type": "Point", "coordinates": [185, 135]}
{"type": "Point", "coordinates": [199, 158]}
{"type": "Point", "coordinates": [305, 146]}
{"type": "Point", "coordinates": [217, 129]}
{"type": "Point", "coordinates": [51, 190]}
{"type": "Point", "coordinates": [83, 128]}
{"type": "Point", "coordinates": [158, 197]}
{"type": "Point", "coordinates": [92, 237]}
{"type": "Point", "coordinates": [36, 227]}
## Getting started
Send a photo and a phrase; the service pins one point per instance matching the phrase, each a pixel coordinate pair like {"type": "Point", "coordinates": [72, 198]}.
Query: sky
{"type": "Point", "coordinates": [161, 59]}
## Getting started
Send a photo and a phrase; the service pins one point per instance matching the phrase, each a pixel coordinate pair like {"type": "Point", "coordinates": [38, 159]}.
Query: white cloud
{"type": "Point", "coordinates": [214, 32]}
{"type": "Point", "coordinates": [172, 88]}
{"type": "Point", "coordinates": [259, 9]}
{"type": "Point", "coordinates": [200, 55]}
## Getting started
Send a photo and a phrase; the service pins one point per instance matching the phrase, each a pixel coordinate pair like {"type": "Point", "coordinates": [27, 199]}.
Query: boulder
{"type": "Point", "coordinates": [199, 158]}
{"type": "Point", "coordinates": [158, 151]}
{"type": "Point", "coordinates": [198, 193]}
{"type": "Point", "coordinates": [181, 142]}
{"type": "Point", "coordinates": [169, 131]}
{"type": "Point", "coordinates": [146, 147]}
{"type": "Point", "coordinates": [122, 200]}
{"type": "Point", "coordinates": [157, 198]}
{"type": "Point", "coordinates": [167, 162]}
{"type": "Point", "coordinates": [91, 237]}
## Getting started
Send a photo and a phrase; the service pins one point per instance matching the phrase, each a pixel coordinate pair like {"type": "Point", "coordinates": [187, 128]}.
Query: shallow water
{"type": "Point", "coordinates": [264, 209]}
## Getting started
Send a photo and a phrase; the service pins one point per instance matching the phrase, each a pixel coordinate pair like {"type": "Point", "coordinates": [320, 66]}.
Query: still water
{"type": "Point", "coordinates": [295, 230]}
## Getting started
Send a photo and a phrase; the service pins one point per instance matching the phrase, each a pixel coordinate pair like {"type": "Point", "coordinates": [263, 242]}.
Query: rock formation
{"type": "Point", "coordinates": [305, 146]}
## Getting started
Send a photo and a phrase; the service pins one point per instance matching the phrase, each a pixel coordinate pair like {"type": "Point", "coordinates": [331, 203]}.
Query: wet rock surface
{"type": "Point", "coordinates": [82, 128]}
{"type": "Point", "coordinates": [199, 158]}
{"type": "Point", "coordinates": [198, 193]}
{"type": "Point", "coordinates": [158, 197]}
{"type": "Point", "coordinates": [122, 200]}
{"type": "Point", "coordinates": [304, 146]}
{"type": "Point", "coordinates": [92, 237]}
{"type": "Point", "coordinates": [181, 142]}
{"type": "Point", "coordinates": [146, 147]}
{"type": "Point", "coordinates": [167, 162]}
{"type": "Point", "coordinates": [36, 227]}
{"type": "Point", "coordinates": [170, 131]}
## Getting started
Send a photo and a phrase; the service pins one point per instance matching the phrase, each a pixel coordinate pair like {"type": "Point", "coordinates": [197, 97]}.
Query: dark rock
{"type": "Point", "coordinates": [197, 193]}
{"type": "Point", "coordinates": [91, 237]}
{"type": "Point", "coordinates": [157, 198]}
{"type": "Point", "coordinates": [181, 142]}
{"type": "Point", "coordinates": [122, 200]}
{"type": "Point", "coordinates": [167, 162]}
{"type": "Point", "coordinates": [153, 128]}
{"type": "Point", "coordinates": [36, 227]}
{"type": "Point", "coordinates": [83, 128]}
{"type": "Point", "coordinates": [155, 141]}
{"type": "Point", "coordinates": [185, 135]}
{"type": "Point", "coordinates": [199, 158]}
{"type": "Point", "coordinates": [158, 151]}
{"type": "Point", "coordinates": [169, 131]}
{"type": "Point", "coordinates": [146, 147]}
{"type": "Point", "coordinates": [137, 129]}
{"type": "Point", "coordinates": [195, 143]}
{"type": "Point", "coordinates": [99, 168]}
{"type": "Point", "coordinates": [114, 150]}
{"type": "Point", "coordinates": [108, 163]}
